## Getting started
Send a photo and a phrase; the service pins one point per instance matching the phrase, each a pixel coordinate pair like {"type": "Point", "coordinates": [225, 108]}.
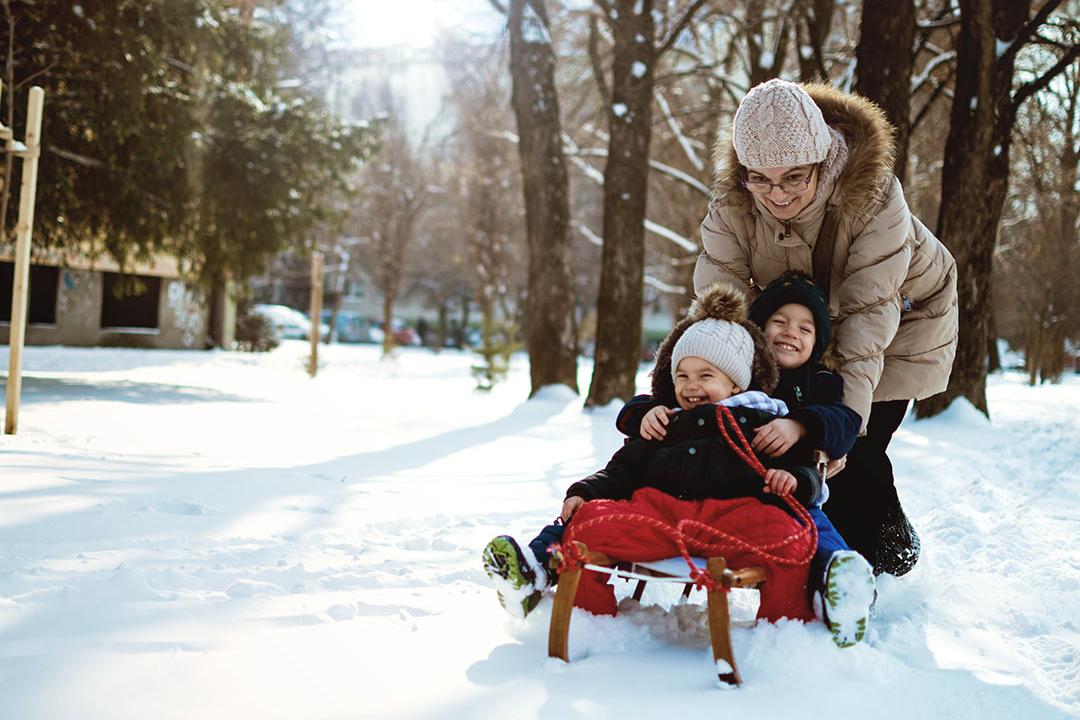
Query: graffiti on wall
{"type": "Point", "coordinates": [76, 294]}
{"type": "Point", "coordinates": [187, 312]}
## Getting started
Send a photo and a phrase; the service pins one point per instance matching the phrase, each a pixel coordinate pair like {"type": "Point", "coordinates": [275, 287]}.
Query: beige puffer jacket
{"type": "Point", "coordinates": [893, 285]}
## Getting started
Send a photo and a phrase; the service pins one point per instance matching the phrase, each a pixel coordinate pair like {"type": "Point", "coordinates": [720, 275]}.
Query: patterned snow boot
{"type": "Point", "coordinates": [514, 577]}
{"type": "Point", "coordinates": [848, 595]}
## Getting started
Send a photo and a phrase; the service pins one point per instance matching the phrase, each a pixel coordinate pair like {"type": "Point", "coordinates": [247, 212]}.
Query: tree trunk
{"type": "Point", "coordinates": [974, 181]}
{"type": "Point", "coordinates": [883, 66]}
{"type": "Point", "coordinates": [443, 325]}
{"type": "Point", "coordinates": [622, 287]}
{"type": "Point", "coordinates": [388, 342]}
{"type": "Point", "coordinates": [551, 337]}
{"type": "Point", "coordinates": [812, 33]}
{"type": "Point", "coordinates": [992, 354]}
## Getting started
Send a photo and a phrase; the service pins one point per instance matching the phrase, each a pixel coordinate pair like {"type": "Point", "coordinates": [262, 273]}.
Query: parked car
{"type": "Point", "coordinates": [403, 334]}
{"type": "Point", "coordinates": [351, 327]}
{"type": "Point", "coordinates": [287, 322]}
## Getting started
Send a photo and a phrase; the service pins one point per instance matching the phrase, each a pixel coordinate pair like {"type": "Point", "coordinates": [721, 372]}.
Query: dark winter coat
{"type": "Point", "coordinates": [695, 462]}
{"type": "Point", "coordinates": [813, 394]}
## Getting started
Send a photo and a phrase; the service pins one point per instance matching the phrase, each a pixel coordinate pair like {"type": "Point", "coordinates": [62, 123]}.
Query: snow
{"type": "Point", "coordinates": [533, 30]}
{"type": "Point", "coordinates": [619, 109]}
{"type": "Point", "coordinates": [216, 535]}
{"type": "Point", "coordinates": [638, 69]}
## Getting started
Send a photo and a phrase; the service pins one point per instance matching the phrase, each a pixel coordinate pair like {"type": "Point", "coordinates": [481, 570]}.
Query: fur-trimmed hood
{"type": "Point", "coordinates": [868, 172]}
{"type": "Point", "coordinates": [721, 301]}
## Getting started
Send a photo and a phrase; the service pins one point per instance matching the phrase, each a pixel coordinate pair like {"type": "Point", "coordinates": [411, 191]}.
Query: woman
{"type": "Point", "coordinates": [807, 184]}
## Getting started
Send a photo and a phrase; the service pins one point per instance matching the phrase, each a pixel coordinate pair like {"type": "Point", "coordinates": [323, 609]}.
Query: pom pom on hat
{"type": "Point", "coordinates": [779, 125]}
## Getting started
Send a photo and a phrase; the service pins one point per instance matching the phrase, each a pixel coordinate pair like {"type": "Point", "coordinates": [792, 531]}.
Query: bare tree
{"type": "Point", "coordinates": [551, 336]}
{"type": "Point", "coordinates": [488, 199]}
{"type": "Point", "coordinates": [642, 33]}
{"type": "Point", "coordinates": [393, 191]}
{"type": "Point", "coordinates": [1037, 286]}
{"type": "Point", "coordinates": [883, 65]}
{"type": "Point", "coordinates": [975, 174]}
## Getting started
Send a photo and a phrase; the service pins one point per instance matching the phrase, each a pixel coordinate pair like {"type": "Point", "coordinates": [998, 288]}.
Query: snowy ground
{"type": "Point", "coordinates": [188, 534]}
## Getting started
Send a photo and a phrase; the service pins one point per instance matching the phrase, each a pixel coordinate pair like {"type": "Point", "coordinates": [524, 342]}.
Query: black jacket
{"type": "Point", "coordinates": [814, 396]}
{"type": "Point", "coordinates": [695, 462]}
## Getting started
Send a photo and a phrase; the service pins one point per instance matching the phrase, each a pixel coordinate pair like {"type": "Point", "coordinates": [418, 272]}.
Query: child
{"type": "Point", "coordinates": [715, 355]}
{"type": "Point", "coordinates": [794, 315]}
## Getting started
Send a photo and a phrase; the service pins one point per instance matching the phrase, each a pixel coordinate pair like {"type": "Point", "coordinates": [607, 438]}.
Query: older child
{"type": "Point", "coordinates": [710, 358]}
{"type": "Point", "coordinates": [794, 315]}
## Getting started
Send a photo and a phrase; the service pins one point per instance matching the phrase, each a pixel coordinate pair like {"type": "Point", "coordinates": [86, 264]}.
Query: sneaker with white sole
{"type": "Point", "coordinates": [514, 577]}
{"type": "Point", "coordinates": [848, 595]}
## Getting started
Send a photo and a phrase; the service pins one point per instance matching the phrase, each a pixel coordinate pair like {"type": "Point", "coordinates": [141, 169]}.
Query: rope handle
{"type": "Point", "coordinates": [567, 556]}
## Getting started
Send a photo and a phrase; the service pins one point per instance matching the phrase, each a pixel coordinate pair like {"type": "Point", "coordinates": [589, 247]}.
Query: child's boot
{"type": "Point", "coordinates": [848, 594]}
{"type": "Point", "coordinates": [514, 576]}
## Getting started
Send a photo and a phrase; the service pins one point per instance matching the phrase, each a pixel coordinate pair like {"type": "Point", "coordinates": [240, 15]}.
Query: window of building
{"type": "Point", "coordinates": [44, 280]}
{"type": "Point", "coordinates": [130, 301]}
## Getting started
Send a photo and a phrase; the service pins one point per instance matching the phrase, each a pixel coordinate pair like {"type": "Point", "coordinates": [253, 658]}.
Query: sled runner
{"type": "Point", "coordinates": [663, 571]}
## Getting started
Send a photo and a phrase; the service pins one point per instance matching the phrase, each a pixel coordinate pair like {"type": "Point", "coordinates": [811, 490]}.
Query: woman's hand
{"type": "Point", "coordinates": [570, 506]}
{"type": "Point", "coordinates": [776, 438]}
{"type": "Point", "coordinates": [654, 424]}
{"type": "Point", "coordinates": [779, 482]}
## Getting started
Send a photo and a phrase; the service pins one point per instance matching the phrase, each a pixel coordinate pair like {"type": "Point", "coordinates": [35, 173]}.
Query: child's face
{"type": "Point", "coordinates": [699, 382]}
{"type": "Point", "coordinates": [791, 334]}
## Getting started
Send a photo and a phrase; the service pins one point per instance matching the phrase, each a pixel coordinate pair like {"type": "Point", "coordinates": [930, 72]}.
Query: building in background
{"type": "Point", "coordinates": [86, 303]}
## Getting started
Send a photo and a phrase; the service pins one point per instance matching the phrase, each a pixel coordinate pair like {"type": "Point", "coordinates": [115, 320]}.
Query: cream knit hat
{"type": "Point", "coordinates": [725, 344]}
{"type": "Point", "coordinates": [779, 125]}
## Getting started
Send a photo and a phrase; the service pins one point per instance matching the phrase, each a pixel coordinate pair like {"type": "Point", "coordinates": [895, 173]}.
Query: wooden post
{"type": "Point", "coordinates": [316, 309]}
{"type": "Point", "coordinates": [23, 230]}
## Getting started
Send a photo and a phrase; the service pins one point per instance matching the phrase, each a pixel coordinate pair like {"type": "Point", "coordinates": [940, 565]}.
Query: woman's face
{"type": "Point", "coordinates": [784, 191]}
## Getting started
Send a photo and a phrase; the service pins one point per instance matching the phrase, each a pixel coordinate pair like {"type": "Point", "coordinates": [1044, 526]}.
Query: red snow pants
{"type": "Point", "coordinates": [784, 594]}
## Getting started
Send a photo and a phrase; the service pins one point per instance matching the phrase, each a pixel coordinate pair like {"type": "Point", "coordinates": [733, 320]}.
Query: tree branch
{"type": "Point", "coordinates": [1028, 89]}
{"type": "Point", "coordinates": [498, 6]}
{"type": "Point", "coordinates": [597, 63]}
{"type": "Point", "coordinates": [678, 26]}
{"type": "Point", "coordinates": [1029, 28]}
{"type": "Point", "coordinates": [939, 89]}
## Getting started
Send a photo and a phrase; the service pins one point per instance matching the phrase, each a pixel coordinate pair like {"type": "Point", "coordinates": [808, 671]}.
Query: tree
{"type": "Point", "coordinates": [486, 194]}
{"type": "Point", "coordinates": [883, 66]}
{"type": "Point", "coordinates": [167, 133]}
{"type": "Point", "coordinates": [641, 35]}
{"type": "Point", "coordinates": [975, 175]}
{"type": "Point", "coordinates": [551, 336]}
{"type": "Point", "coordinates": [394, 189]}
{"type": "Point", "coordinates": [1037, 285]}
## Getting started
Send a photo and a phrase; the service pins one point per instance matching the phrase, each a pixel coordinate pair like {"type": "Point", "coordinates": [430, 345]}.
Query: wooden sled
{"type": "Point", "coordinates": [718, 611]}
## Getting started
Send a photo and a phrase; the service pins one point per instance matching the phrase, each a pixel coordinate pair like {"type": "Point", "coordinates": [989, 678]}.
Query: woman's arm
{"type": "Point", "coordinates": [869, 298]}
{"type": "Point", "coordinates": [725, 258]}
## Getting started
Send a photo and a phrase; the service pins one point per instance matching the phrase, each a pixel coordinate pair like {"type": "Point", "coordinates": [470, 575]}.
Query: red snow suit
{"type": "Point", "coordinates": [784, 594]}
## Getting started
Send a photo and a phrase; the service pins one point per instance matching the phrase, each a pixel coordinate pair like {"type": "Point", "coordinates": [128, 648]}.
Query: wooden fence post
{"type": "Point", "coordinates": [29, 150]}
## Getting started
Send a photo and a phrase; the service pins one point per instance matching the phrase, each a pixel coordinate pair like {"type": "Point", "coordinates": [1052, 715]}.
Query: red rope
{"type": "Point", "coordinates": [567, 555]}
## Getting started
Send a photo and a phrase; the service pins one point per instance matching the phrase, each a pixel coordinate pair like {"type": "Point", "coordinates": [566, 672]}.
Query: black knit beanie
{"type": "Point", "coordinates": [799, 288]}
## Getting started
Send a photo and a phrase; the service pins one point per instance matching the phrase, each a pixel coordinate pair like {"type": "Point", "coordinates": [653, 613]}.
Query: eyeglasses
{"type": "Point", "coordinates": [790, 187]}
